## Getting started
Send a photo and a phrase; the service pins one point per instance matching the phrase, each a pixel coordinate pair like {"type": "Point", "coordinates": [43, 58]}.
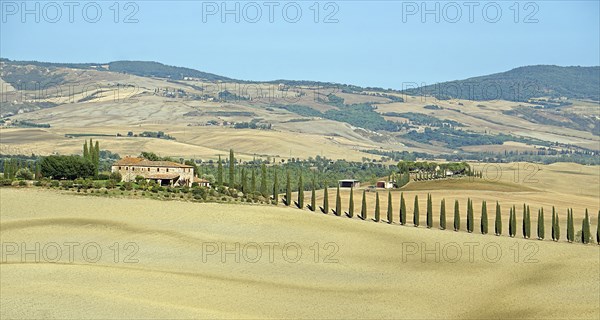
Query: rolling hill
{"type": "Point", "coordinates": [521, 84]}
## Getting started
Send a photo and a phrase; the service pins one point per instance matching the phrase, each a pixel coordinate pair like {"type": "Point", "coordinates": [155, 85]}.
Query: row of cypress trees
{"type": "Point", "coordinates": [585, 236]}
{"type": "Point", "coordinates": [92, 153]}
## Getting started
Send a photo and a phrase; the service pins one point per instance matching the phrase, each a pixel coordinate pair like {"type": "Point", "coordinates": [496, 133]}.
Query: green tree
{"type": "Point", "coordinates": [377, 209]}
{"type": "Point", "coordinates": [263, 181]}
{"type": "Point", "coordinates": [570, 226]}
{"type": "Point", "coordinates": [338, 202]}
{"type": "Point", "coordinates": [429, 211]}
{"type": "Point", "coordinates": [498, 223]}
{"type": "Point", "coordinates": [512, 223]}
{"type": "Point", "coordinates": [484, 218]}
{"type": "Point", "coordinates": [300, 193]}
{"type": "Point", "coordinates": [470, 223]}
{"type": "Point", "coordinates": [528, 224]}
{"type": "Point", "coordinates": [313, 197]}
{"type": "Point", "coordinates": [456, 216]}
{"type": "Point", "coordinates": [402, 209]}
{"type": "Point", "coordinates": [443, 214]}
{"type": "Point", "coordinates": [232, 172]}
{"type": "Point", "coordinates": [524, 222]}
{"type": "Point", "coordinates": [97, 157]}
{"type": "Point", "coordinates": [219, 173]}
{"type": "Point", "coordinates": [557, 227]}
{"type": "Point", "coordinates": [416, 211]}
{"type": "Point", "coordinates": [585, 229]}
{"type": "Point", "coordinates": [598, 229]}
{"type": "Point", "coordinates": [363, 209]}
{"type": "Point", "coordinates": [390, 213]}
{"type": "Point", "coordinates": [553, 224]}
{"type": "Point", "coordinates": [86, 151]}
{"type": "Point", "coordinates": [288, 189]}
{"type": "Point", "coordinates": [325, 200]}
{"type": "Point", "coordinates": [243, 179]}
{"type": "Point", "coordinates": [253, 181]}
{"type": "Point", "coordinates": [275, 186]}
{"type": "Point", "coordinates": [540, 225]}
{"type": "Point", "coordinates": [351, 203]}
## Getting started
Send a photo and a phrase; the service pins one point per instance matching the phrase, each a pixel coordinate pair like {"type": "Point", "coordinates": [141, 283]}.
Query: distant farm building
{"type": "Point", "coordinates": [202, 182]}
{"type": "Point", "coordinates": [349, 183]}
{"type": "Point", "coordinates": [384, 184]}
{"type": "Point", "coordinates": [165, 173]}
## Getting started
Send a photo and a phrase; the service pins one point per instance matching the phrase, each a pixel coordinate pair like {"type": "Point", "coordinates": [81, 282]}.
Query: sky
{"type": "Point", "coordinates": [389, 44]}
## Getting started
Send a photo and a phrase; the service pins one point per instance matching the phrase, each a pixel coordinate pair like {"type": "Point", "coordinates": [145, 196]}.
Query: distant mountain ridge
{"type": "Point", "coordinates": [521, 84]}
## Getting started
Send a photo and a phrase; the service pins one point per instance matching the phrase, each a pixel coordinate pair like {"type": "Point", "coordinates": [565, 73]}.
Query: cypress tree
{"type": "Point", "coordinates": [338, 202]}
{"type": "Point", "coordinates": [540, 228]}
{"type": "Point", "coordinates": [443, 214]}
{"type": "Point", "coordinates": [484, 218]}
{"type": "Point", "coordinates": [429, 211]}
{"type": "Point", "coordinates": [325, 199]}
{"type": "Point", "coordinates": [91, 151]}
{"type": "Point", "coordinates": [253, 182]}
{"type": "Point", "coordinates": [585, 228]}
{"type": "Point", "coordinates": [557, 227]}
{"type": "Point", "coordinates": [498, 223]}
{"type": "Point", "coordinates": [97, 156]}
{"type": "Point", "coordinates": [377, 209]}
{"type": "Point", "coordinates": [512, 223]}
{"type": "Point", "coordinates": [402, 209]}
{"type": "Point", "coordinates": [524, 222]}
{"type": "Point", "coordinates": [553, 224]}
{"type": "Point", "coordinates": [232, 172]}
{"type": "Point", "coordinates": [456, 216]}
{"type": "Point", "coordinates": [470, 223]}
{"type": "Point", "coordinates": [219, 173]}
{"type": "Point", "coordinates": [313, 197]}
{"type": "Point", "coordinates": [288, 188]}
{"type": "Point", "coordinates": [275, 186]}
{"type": "Point", "coordinates": [300, 193]}
{"type": "Point", "coordinates": [244, 182]}
{"type": "Point", "coordinates": [390, 214]}
{"type": "Point", "coordinates": [598, 229]}
{"type": "Point", "coordinates": [351, 203]}
{"type": "Point", "coordinates": [363, 209]}
{"type": "Point", "coordinates": [570, 227]}
{"type": "Point", "coordinates": [528, 223]}
{"type": "Point", "coordinates": [416, 212]}
{"type": "Point", "coordinates": [263, 180]}
{"type": "Point", "coordinates": [86, 151]}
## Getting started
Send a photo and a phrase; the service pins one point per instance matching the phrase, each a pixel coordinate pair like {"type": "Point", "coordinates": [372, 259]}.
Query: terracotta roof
{"type": "Point", "coordinates": [141, 162]}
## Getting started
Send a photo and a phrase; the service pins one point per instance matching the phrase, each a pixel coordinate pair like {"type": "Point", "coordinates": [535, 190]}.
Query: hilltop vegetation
{"type": "Point", "coordinates": [521, 84]}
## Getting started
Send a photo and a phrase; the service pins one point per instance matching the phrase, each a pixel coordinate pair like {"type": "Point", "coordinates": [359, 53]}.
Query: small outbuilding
{"type": "Point", "coordinates": [349, 183]}
{"type": "Point", "coordinates": [384, 184]}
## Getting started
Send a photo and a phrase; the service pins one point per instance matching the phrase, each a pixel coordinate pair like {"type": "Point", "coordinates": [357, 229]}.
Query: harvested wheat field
{"type": "Point", "coordinates": [172, 263]}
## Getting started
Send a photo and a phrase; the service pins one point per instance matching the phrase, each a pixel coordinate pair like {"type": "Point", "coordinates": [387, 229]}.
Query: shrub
{"type": "Point", "coordinates": [110, 184]}
{"type": "Point", "coordinates": [104, 176]}
{"type": "Point", "coordinates": [24, 174]}
{"type": "Point", "coordinates": [66, 183]}
{"type": "Point", "coordinates": [115, 176]}
{"type": "Point", "coordinates": [38, 183]}
{"type": "Point", "coordinates": [54, 183]}
{"type": "Point", "coordinates": [22, 183]}
{"type": "Point", "coordinates": [5, 182]}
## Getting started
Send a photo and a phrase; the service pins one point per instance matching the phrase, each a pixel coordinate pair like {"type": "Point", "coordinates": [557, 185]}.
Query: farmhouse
{"type": "Point", "coordinates": [165, 173]}
{"type": "Point", "coordinates": [349, 183]}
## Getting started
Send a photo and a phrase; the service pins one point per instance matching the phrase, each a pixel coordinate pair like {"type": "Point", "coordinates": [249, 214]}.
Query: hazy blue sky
{"type": "Point", "coordinates": [373, 43]}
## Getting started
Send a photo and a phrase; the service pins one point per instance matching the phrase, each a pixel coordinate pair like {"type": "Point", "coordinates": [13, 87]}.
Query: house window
{"type": "Point", "coordinates": [119, 168]}
{"type": "Point", "coordinates": [167, 169]}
